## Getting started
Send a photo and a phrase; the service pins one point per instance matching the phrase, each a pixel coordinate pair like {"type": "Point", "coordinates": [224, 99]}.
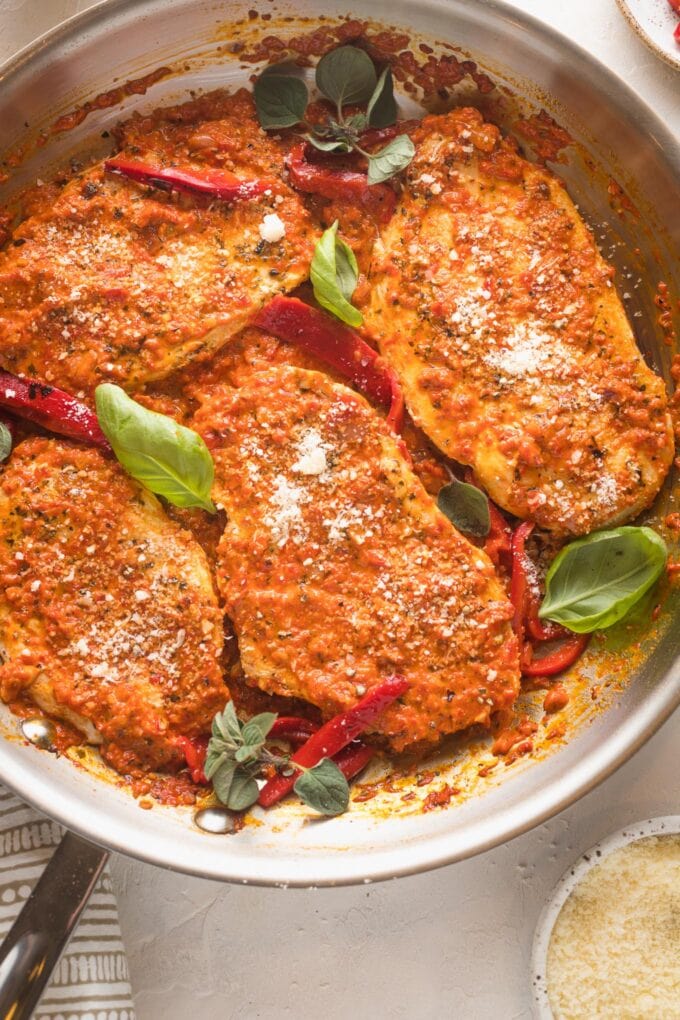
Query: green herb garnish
{"type": "Point", "coordinates": [281, 100]}
{"type": "Point", "coordinates": [594, 581]}
{"type": "Point", "coordinates": [237, 753]}
{"type": "Point", "coordinates": [382, 107]}
{"type": "Point", "coordinates": [334, 274]}
{"type": "Point", "coordinates": [347, 77]}
{"type": "Point", "coordinates": [169, 459]}
{"type": "Point", "coordinates": [5, 441]}
{"type": "Point", "coordinates": [466, 506]}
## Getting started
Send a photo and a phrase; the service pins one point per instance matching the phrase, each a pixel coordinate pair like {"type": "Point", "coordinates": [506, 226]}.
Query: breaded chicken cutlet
{"type": "Point", "coordinates": [337, 569]}
{"type": "Point", "coordinates": [490, 298]}
{"type": "Point", "coordinates": [108, 617]}
{"type": "Point", "coordinates": [120, 282]}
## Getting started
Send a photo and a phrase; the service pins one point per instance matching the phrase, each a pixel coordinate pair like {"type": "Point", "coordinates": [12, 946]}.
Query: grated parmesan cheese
{"type": "Point", "coordinates": [311, 454]}
{"type": "Point", "coordinates": [605, 489]}
{"type": "Point", "coordinates": [272, 228]}
{"type": "Point", "coordinates": [615, 948]}
{"type": "Point", "coordinates": [529, 352]}
{"type": "Point", "coordinates": [285, 518]}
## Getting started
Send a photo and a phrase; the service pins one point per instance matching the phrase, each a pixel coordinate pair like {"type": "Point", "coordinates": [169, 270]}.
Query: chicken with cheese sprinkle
{"type": "Point", "coordinates": [491, 300]}
{"type": "Point", "coordinates": [108, 617]}
{"type": "Point", "coordinates": [338, 569]}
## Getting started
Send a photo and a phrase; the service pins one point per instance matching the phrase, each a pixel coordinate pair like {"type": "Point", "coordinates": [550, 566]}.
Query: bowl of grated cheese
{"type": "Point", "coordinates": [607, 943]}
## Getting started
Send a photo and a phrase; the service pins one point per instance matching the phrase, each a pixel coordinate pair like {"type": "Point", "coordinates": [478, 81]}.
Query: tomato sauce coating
{"type": "Point", "coordinates": [108, 616]}
{"type": "Point", "coordinates": [116, 281]}
{"type": "Point", "coordinates": [491, 300]}
{"type": "Point", "coordinates": [338, 569]}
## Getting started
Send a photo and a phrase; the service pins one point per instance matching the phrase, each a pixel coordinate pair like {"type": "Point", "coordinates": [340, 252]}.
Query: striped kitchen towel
{"type": "Point", "coordinates": [91, 980]}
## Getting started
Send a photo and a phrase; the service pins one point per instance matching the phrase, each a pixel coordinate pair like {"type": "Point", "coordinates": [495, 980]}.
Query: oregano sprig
{"type": "Point", "coordinates": [346, 77]}
{"type": "Point", "coordinates": [237, 755]}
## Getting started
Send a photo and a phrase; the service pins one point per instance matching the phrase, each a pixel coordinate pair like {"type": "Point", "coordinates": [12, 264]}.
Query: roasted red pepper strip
{"type": "Point", "coordinates": [351, 185]}
{"type": "Point", "coordinates": [543, 630]}
{"type": "Point", "coordinates": [558, 660]}
{"type": "Point", "coordinates": [293, 728]}
{"type": "Point", "coordinates": [334, 735]}
{"type": "Point", "coordinates": [52, 408]}
{"type": "Point", "coordinates": [378, 136]}
{"type": "Point", "coordinates": [338, 346]}
{"type": "Point", "coordinates": [395, 415]}
{"type": "Point", "coordinates": [498, 543]}
{"type": "Point", "coordinates": [526, 604]}
{"type": "Point", "coordinates": [352, 759]}
{"type": "Point", "coordinates": [195, 751]}
{"type": "Point", "coordinates": [519, 581]}
{"type": "Point", "coordinates": [211, 183]}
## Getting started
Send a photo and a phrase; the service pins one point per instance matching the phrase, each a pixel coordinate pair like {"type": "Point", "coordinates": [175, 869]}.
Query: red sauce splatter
{"type": "Point", "coordinates": [620, 201]}
{"type": "Point", "coordinates": [439, 798]}
{"type": "Point", "coordinates": [105, 100]}
{"type": "Point", "coordinates": [509, 737]}
{"type": "Point", "coordinates": [556, 699]}
{"type": "Point", "coordinates": [665, 317]}
{"type": "Point", "coordinates": [433, 75]}
{"type": "Point", "coordinates": [547, 137]}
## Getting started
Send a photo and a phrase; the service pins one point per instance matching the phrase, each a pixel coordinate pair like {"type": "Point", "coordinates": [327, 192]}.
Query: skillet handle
{"type": "Point", "coordinates": [35, 941]}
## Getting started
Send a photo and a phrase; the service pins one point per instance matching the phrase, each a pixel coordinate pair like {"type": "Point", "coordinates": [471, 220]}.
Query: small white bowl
{"type": "Point", "coordinates": [654, 22]}
{"type": "Point", "coordinates": [665, 825]}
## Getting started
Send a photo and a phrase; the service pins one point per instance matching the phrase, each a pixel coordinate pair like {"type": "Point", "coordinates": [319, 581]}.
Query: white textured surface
{"type": "Point", "coordinates": [453, 943]}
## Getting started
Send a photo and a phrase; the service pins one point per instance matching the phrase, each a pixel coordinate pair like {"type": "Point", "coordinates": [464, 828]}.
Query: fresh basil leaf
{"type": "Point", "coordinates": [324, 788]}
{"type": "Point", "coordinates": [329, 145]}
{"type": "Point", "coordinates": [389, 161]}
{"type": "Point", "coordinates": [594, 581]}
{"type": "Point", "coordinates": [346, 76]}
{"type": "Point", "coordinates": [243, 791]}
{"type": "Point", "coordinates": [5, 441]}
{"type": "Point", "coordinates": [222, 780]}
{"type": "Point", "coordinates": [466, 507]}
{"type": "Point", "coordinates": [382, 107]}
{"type": "Point", "coordinates": [256, 729]}
{"type": "Point", "coordinates": [169, 459]}
{"type": "Point", "coordinates": [280, 100]}
{"type": "Point", "coordinates": [346, 268]}
{"type": "Point", "coordinates": [334, 273]}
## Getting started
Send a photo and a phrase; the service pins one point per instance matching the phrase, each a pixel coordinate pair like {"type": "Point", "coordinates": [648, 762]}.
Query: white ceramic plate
{"type": "Point", "coordinates": [654, 22]}
{"type": "Point", "coordinates": [665, 825]}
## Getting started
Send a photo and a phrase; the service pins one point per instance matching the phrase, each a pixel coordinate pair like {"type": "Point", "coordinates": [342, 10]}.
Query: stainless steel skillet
{"type": "Point", "coordinates": [125, 39]}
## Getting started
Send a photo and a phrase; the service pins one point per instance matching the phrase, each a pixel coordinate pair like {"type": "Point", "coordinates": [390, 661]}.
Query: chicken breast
{"type": "Point", "coordinates": [108, 617]}
{"type": "Point", "coordinates": [491, 300]}
{"type": "Point", "coordinates": [117, 281]}
{"type": "Point", "coordinates": [337, 568]}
